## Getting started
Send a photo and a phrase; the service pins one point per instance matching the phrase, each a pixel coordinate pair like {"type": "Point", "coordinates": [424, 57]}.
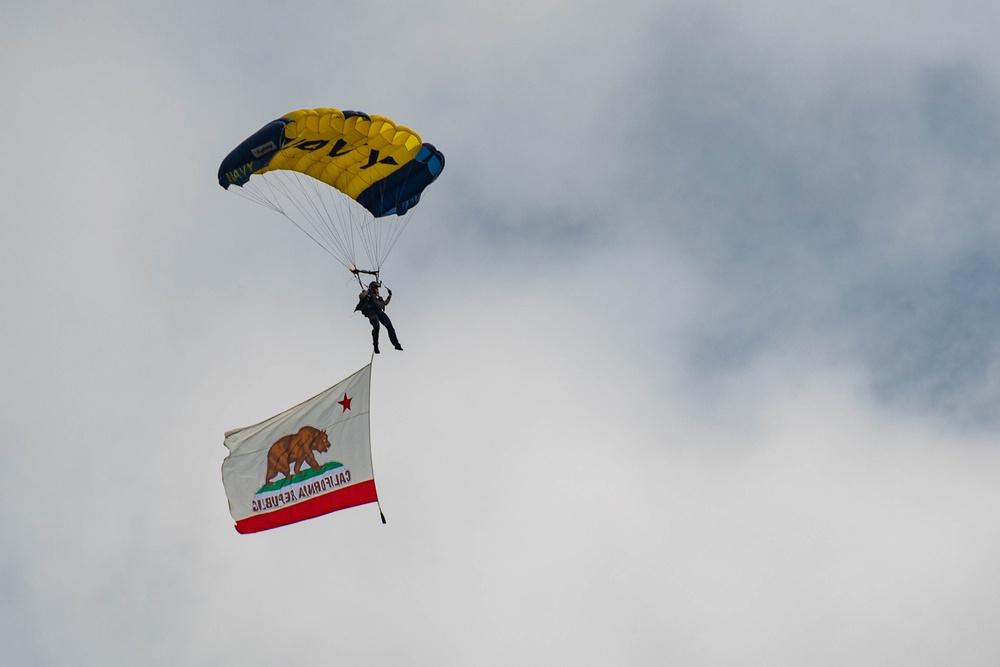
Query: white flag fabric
{"type": "Point", "coordinates": [308, 461]}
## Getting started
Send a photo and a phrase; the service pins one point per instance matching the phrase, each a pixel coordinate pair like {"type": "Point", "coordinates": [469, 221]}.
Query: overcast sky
{"type": "Point", "coordinates": [702, 332]}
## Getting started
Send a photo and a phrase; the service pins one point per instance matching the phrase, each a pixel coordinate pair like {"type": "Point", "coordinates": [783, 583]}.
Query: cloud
{"type": "Point", "coordinates": [696, 321]}
{"type": "Point", "coordinates": [809, 191]}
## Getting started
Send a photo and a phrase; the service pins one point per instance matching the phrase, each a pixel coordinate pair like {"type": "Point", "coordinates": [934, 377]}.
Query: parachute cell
{"type": "Point", "coordinates": [346, 178]}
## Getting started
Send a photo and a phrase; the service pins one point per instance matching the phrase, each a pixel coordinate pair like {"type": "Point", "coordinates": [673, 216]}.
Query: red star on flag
{"type": "Point", "coordinates": [345, 402]}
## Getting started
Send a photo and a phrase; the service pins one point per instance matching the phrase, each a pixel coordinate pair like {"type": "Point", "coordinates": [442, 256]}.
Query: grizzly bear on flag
{"type": "Point", "coordinates": [291, 451]}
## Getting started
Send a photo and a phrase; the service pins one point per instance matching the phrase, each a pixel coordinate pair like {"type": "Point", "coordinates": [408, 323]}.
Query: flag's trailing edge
{"type": "Point", "coordinates": [310, 460]}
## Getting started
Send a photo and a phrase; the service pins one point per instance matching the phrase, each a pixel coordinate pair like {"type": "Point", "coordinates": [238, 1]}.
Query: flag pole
{"type": "Point", "coordinates": [378, 503]}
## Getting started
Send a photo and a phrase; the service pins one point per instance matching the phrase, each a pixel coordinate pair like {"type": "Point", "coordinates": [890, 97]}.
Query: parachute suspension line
{"type": "Point", "coordinates": [312, 206]}
{"type": "Point", "coordinates": [368, 229]}
{"type": "Point", "coordinates": [396, 229]}
{"type": "Point", "coordinates": [348, 213]}
{"type": "Point", "coordinates": [255, 192]}
{"type": "Point", "coordinates": [251, 192]}
{"type": "Point", "coordinates": [379, 235]}
{"type": "Point", "coordinates": [340, 236]}
{"type": "Point", "coordinates": [308, 206]}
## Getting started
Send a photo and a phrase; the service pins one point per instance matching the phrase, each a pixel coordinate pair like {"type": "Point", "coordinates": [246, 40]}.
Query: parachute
{"type": "Point", "coordinates": [348, 179]}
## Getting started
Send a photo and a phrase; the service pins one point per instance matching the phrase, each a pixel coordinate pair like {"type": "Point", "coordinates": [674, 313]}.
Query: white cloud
{"type": "Point", "coordinates": [624, 429]}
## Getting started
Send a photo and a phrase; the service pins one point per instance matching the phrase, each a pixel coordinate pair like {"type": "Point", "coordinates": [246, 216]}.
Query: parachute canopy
{"type": "Point", "coordinates": [321, 167]}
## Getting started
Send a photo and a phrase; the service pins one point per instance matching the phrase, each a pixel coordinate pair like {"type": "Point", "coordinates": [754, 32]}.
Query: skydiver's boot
{"type": "Point", "coordinates": [375, 341]}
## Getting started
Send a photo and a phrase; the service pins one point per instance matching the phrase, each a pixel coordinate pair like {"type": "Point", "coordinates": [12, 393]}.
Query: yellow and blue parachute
{"type": "Point", "coordinates": [348, 179]}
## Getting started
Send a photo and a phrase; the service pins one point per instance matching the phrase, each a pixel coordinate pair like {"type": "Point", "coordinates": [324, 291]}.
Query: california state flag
{"type": "Point", "coordinates": [310, 460]}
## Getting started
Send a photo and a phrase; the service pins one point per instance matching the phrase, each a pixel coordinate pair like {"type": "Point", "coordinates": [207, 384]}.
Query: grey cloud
{"type": "Point", "coordinates": [806, 201]}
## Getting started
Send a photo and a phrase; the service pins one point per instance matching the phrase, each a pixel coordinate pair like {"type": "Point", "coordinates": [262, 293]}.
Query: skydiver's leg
{"type": "Point", "coordinates": [392, 332]}
{"type": "Point", "coordinates": [375, 330]}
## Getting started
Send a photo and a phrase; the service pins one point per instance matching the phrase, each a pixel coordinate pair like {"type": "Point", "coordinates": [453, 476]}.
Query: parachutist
{"type": "Point", "coordinates": [372, 306]}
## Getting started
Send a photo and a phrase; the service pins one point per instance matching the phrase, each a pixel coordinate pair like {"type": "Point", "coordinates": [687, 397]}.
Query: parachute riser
{"type": "Point", "coordinates": [357, 274]}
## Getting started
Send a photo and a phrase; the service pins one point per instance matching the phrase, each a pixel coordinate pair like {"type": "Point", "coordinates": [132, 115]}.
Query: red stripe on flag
{"type": "Point", "coordinates": [356, 494]}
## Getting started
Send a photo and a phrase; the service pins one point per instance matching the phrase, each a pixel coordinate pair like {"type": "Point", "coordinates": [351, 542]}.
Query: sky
{"type": "Point", "coordinates": [701, 328]}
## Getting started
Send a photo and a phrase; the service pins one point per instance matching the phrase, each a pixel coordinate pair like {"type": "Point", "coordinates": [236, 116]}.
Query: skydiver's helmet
{"type": "Point", "coordinates": [373, 286]}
